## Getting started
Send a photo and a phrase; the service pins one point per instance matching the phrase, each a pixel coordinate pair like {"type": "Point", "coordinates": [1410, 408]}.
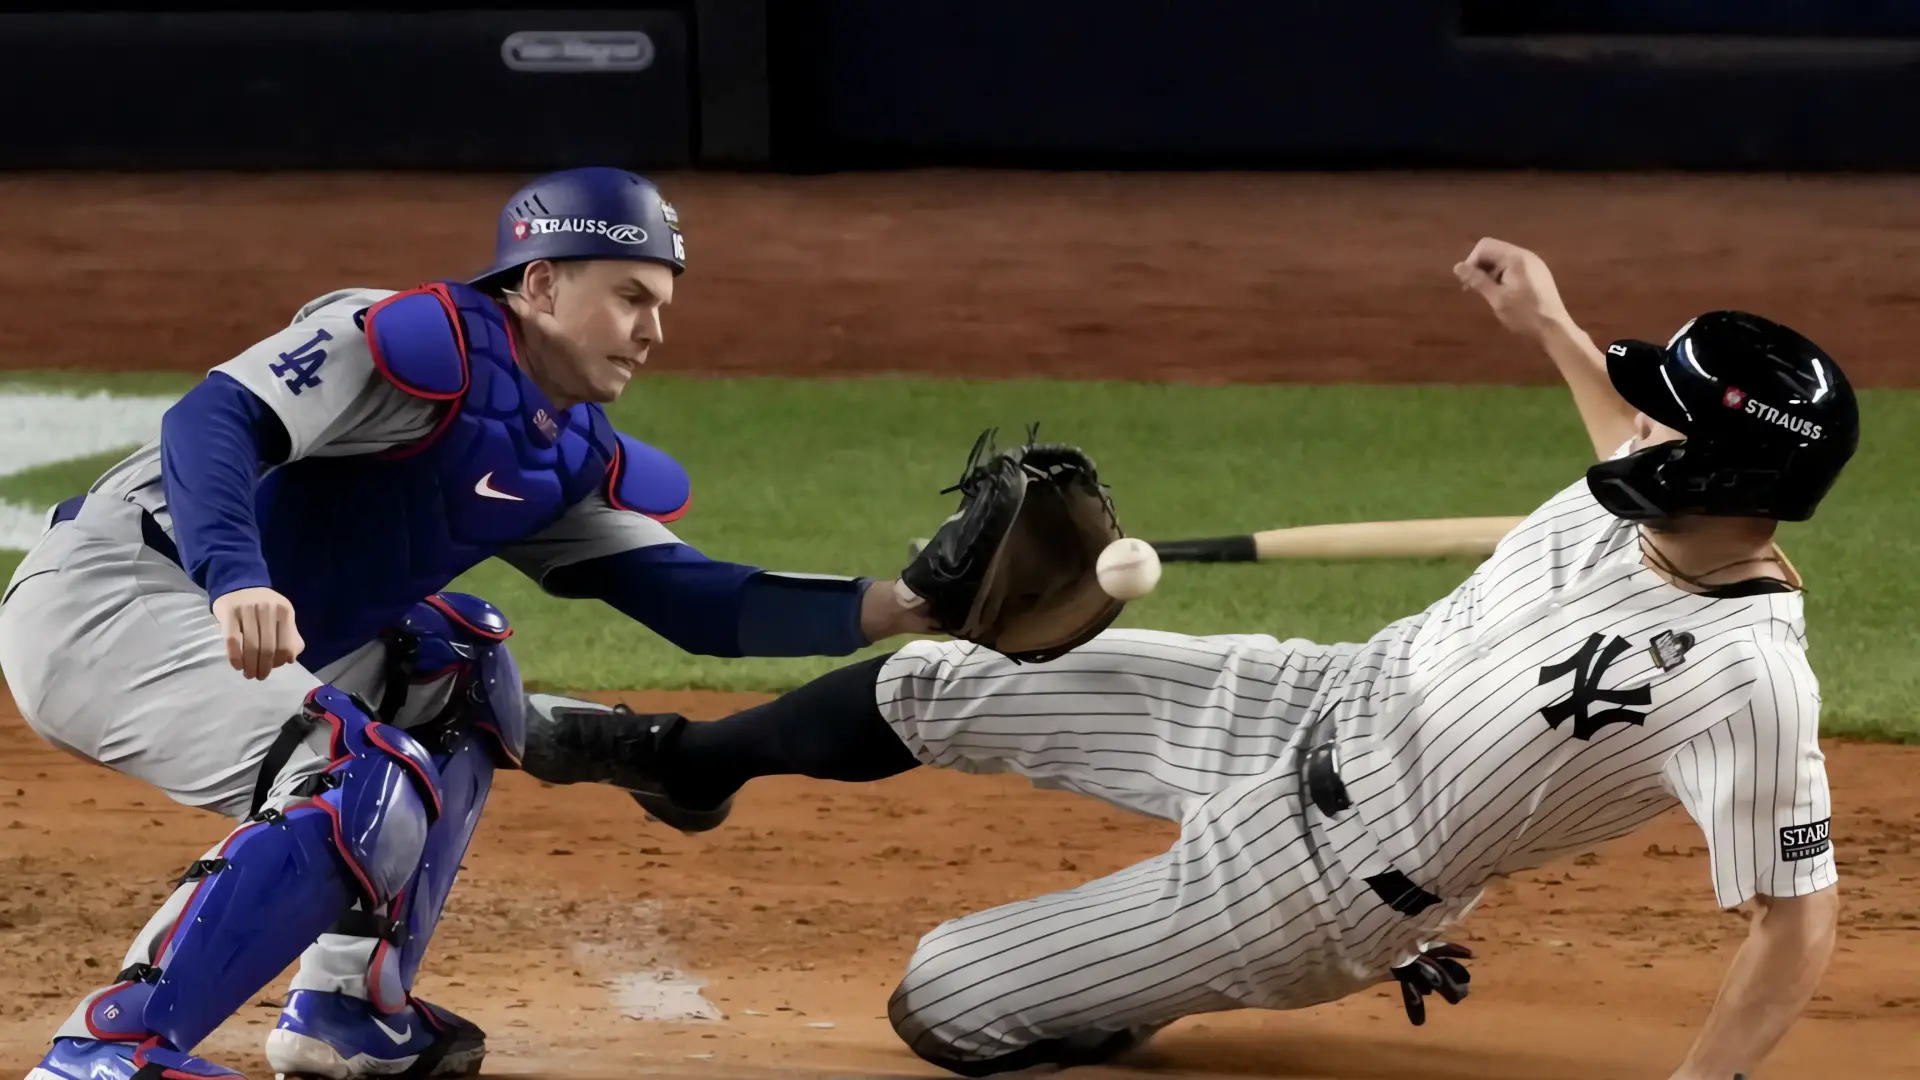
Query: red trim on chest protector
{"type": "Point", "coordinates": [438, 292]}
{"type": "Point", "coordinates": [614, 472]}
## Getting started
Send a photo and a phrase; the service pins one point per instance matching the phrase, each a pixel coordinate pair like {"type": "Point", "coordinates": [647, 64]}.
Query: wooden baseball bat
{"type": "Point", "coordinates": [1421, 538]}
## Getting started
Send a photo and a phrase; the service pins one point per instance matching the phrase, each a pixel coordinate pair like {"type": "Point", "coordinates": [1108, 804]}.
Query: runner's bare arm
{"type": "Point", "coordinates": [1608, 418]}
{"type": "Point", "coordinates": [1518, 286]}
{"type": "Point", "coordinates": [1772, 978]}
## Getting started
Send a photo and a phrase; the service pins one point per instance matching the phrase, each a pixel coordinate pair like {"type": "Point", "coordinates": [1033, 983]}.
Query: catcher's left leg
{"type": "Point", "coordinates": [444, 674]}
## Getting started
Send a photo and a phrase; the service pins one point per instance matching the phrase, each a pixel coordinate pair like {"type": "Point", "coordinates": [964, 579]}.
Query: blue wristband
{"type": "Point", "coordinates": [801, 615]}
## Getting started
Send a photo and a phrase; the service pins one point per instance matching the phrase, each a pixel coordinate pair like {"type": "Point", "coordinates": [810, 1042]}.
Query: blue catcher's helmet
{"type": "Point", "coordinates": [590, 213]}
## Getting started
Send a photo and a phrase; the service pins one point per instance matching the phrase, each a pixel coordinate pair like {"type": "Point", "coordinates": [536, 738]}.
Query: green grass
{"type": "Point", "coordinates": [48, 484]}
{"type": "Point", "coordinates": [835, 476]}
{"type": "Point", "coordinates": [117, 383]}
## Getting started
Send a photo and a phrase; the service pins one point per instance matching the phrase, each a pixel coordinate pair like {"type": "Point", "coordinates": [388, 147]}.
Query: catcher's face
{"type": "Point", "coordinates": [595, 321]}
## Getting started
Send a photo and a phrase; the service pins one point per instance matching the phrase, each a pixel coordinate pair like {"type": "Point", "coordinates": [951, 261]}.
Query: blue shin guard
{"type": "Point", "coordinates": [352, 834]}
{"type": "Point", "coordinates": [483, 727]}
{"type": "Point", "coordinates": [466, 777]}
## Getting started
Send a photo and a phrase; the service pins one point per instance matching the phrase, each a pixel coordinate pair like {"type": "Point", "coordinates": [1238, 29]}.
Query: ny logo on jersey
{"type": "Point", "coordinates": [301, 367]}
{"type": "Point", "coordinates": [1588, 666]}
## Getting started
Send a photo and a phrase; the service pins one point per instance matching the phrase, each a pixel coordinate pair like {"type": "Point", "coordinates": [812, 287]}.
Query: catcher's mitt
{"type": "Point", "coordinates": [1013, 568]}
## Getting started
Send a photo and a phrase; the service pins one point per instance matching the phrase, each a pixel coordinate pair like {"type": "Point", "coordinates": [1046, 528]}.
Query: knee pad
{"type": "Point", "coordinates": [354, 833]}
{"type": "Point", "coordinates": [456, 636]}
{"type": "Point", "coordinates": [466, 778]}
{"type": "Point", "coordinates": [382, 792]}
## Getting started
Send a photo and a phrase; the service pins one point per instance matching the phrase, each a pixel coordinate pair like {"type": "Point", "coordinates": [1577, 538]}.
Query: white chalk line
{"type": "Point", "coordinates": [643, 980]}
{"type": "Point", "coordinates": [47, 427]}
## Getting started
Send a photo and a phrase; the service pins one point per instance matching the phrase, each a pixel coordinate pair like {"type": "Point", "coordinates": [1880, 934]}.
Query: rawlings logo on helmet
{"type": "Point", "coordinates": [1734, 397]}
{"type": "Point", "coordinates": [618, 232]}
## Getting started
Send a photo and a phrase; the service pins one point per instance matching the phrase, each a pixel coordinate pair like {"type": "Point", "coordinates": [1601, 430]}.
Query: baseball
{"type": "Point", "coordinates": [1128, 569]}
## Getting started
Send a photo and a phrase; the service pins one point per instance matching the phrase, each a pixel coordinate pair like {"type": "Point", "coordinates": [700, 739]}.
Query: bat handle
{"type": "Point", "coordinates": [1217, 549]}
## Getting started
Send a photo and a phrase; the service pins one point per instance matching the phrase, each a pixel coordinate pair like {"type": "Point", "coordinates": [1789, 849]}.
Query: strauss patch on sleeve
{"type": "Point", "coordinates": [1799, 842]}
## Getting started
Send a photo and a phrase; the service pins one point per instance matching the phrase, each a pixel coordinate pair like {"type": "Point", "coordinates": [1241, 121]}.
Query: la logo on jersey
{"type": "Point", "coordinates": [1588, 666]}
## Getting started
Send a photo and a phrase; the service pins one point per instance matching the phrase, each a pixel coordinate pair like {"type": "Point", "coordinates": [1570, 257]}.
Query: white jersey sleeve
{"type": "Point", "coordinates": [318, 377]}
{"type": "Point", "coordinates": [590, 529]}
{"type": "Point", "coordinates": [1756, 783]}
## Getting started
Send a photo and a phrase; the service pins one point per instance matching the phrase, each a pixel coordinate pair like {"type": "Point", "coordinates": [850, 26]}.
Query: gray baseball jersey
{"type": "Point", "coordinates": [154, 696]}
{"type": "Point", "coordinates": [111, 650]}
{"type": "Point", "coordinates": [355, 410]}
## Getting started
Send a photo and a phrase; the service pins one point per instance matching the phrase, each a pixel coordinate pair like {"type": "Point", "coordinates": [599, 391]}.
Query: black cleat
{"type": "Point", "coordinates": [685, 818]}
{"type": "Point", "coordinates": [581, 742]}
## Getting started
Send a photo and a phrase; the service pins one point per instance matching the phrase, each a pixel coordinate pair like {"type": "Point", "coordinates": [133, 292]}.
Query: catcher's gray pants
{"type": "Point", "coordinates": [1252, 907]}
{"type": "Point", "coordinates": [113, 654]}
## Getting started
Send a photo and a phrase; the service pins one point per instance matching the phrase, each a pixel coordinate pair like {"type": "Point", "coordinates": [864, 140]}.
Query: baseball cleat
{"type": "Point", "coordinates": [329, 1036]}
{"type": "Point", "coordinates": [583, 742]}
{"type": "Point", "coordinates": [675, 816]}
{"type": "Point", "coordinates": [88, 1059]}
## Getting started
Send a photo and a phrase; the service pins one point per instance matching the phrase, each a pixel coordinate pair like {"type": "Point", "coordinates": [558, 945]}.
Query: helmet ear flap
{"type": "Point", "coordinates": [1690, 477]}
{"type": "Point", "coordinates": [1630, 488]}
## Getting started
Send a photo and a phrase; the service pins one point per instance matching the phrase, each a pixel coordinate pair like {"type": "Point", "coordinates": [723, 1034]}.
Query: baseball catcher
{"type": "Point", "coordinates": [249, 614]}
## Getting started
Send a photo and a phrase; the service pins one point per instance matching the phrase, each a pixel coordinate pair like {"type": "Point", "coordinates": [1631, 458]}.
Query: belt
{"type": "Point", "coordinates": [151, 533]}
{"type": "Point", "coordinates": [1324, 786]}
{"type": "Point", "coordinates": [1329, 796]}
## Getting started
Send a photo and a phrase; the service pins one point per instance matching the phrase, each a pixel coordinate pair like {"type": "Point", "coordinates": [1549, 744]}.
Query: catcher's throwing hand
{"type": "Point", "coordinates": [1013, 568]}
{"type": "Point", "coordinates": [259, 628]}
{"type": "Point", "coordinates": [1437, 970]}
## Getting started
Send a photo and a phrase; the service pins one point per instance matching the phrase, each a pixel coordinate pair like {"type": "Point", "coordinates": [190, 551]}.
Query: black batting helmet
{"type": "Point", "coordinates": [1769, 422]}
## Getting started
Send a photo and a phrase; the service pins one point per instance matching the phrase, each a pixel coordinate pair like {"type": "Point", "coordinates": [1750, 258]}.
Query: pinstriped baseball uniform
{"type": "Point", "coordinates": [1562, 696]}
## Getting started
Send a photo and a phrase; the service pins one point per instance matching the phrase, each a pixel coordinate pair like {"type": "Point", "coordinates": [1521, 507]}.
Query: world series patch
{"type": "Point", "coordinates": [1798, 842]}
{"type": "Point", "coordinates": [1669, 650]}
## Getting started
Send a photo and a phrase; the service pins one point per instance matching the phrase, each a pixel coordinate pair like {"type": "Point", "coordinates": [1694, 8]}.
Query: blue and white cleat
{"type": "Point", "coordinates": [91, 1059]}
{"type": "Point", "coordinates": [328, 1036]}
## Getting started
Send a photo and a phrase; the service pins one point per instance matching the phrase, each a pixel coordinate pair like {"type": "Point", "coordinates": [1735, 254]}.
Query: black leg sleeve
{"type": "Point", "coordinates": [829, 729]}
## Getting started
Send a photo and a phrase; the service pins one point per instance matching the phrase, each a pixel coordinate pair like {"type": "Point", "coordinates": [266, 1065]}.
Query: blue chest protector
{"type": "Point", "coordinates": [354, 542]}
